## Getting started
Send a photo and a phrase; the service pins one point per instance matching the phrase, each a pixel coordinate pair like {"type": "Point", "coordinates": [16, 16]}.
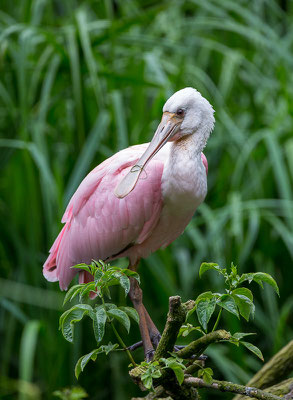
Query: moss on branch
{"type": "Point", "coordinates": [274, 371]}
{"type": "Point", "coordinates": [175, 319]}
{"type": "Point", "coordinates": [198, 346]}
{"type": "Point", "coordinates": [224, 386]}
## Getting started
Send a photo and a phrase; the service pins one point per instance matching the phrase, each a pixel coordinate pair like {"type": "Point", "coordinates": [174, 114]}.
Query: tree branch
{"type": "Point", "coordinates": [224, 386]}
{"type": "Point", "coordinates": [176, 317]}
{"type": "Point", "coordinates": [198, 346]}
{"type": "Point", "coordinates": [275, 370]}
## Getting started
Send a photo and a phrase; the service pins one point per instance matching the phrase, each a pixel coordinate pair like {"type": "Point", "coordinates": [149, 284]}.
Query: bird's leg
{"type": "Point", "coordinates": [135, 294]}
{"type": "Point", "coordinates": [153, 330]}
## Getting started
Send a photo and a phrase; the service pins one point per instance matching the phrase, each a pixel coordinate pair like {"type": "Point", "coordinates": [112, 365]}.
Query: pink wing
{"type": "Point", "coordinates": [98, 225]}
{"type": "Point", "coordinates": [205, 162]}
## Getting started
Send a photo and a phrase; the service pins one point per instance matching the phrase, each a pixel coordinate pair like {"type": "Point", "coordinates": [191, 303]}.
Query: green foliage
{"type": "Point", "coordinates": [237, 300]}
{"type": "Point", "coordinates": [176, 365]}
{"type": "Point", "coordinates": [206, 374]}
{"type": "Point", "coordinates": [74, 393]}
{"type": "Point", "coordinates": [104, 277]}
{"type": "Point", "coordinates": [150, 371]}
{"type": "Point", "coordinates": [82, 362]}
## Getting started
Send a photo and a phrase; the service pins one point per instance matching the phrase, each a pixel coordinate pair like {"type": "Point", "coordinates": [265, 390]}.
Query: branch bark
{"type": "Point", "coordinates": [176, 317]}
{"type": "Point", "coordinates": [275, 370]}
{"type": "Point", "coordinates": [224, 386]}
{"type": "Point", "coordinates": [198, 346]}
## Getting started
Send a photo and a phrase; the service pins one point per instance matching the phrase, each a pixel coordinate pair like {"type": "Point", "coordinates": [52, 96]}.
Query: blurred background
{"type": "Point", "coordinates": [80, 80]}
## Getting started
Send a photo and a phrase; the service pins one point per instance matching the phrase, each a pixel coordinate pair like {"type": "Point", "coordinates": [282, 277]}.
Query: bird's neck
{"type": "Point", "coordinates": [188, 147]}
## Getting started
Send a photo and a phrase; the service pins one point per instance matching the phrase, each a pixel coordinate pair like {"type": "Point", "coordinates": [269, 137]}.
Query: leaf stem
{"type": "Point", "coordinates": [123, 344]}
{"type": "Point", "coordinates": [218, 319]}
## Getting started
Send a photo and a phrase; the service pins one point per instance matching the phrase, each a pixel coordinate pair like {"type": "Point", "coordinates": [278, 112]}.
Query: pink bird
{"type": "Point", "coordinates": [138, 200]}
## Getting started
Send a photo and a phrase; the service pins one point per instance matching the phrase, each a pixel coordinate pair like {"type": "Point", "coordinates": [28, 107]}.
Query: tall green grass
{"type": "Point", "coordinates": [80, 80]}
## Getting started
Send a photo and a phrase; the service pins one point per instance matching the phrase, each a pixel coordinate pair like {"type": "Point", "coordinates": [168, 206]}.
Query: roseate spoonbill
{"type": "Point", "coordinates": [138, 200]}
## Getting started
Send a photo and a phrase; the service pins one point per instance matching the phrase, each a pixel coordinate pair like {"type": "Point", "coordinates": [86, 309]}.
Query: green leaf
{"type": "Point", "coordinates": [207, 266]}
{"type": "Point", "coordinates": [228, 303]}
{"type": "Point", "coordinates": [131, 274]}
{"type": "Point", "coordinates": [121, 316]}
{"type": "Point", "coordinates": [241, 335]}
{"type": "Point", "coordinates": [246, 277]}
{"type": "Point", "coordinates": [99, 322]}
{"type": "Point", "coordinates": [178, 371]}
{"type": "Point", "coordinates": [97, 276]}
{"type": "Point", "coordinates": [206, 374]}
{"type": "Point", "coordinates": [253, 349]}
{"type": "Point", "coordinates": [124, 282]}
{"type": "Point", "coordinates": [82, 362]}
{"type": "Point", "coordinates": [204, 310]}
{"type": "Point", "coordinates": [72, 292]}
{"type": "Point", "coordinates": [260, 277]}
{"type": "Point", "coordinates": [244, 301]}
{"type": "Point", "coordinates": [109, 306]}
{"type": "Point", "coordinates": [83, 266]}
{"type": "Point", "coordinates": [107, 348]}
{"type": "Point", "coordinates": [88, 287]}
{"type": "Point", "coordinates": [73, 393]}
{"type": "Point", "coordinates": [131, 312]}
{"type": "Point", "coordinates": [70, 317]}
{"type": "Point", "coordinates": [147, 381]}
{"type": "Point", "coordinates": [188, 328]}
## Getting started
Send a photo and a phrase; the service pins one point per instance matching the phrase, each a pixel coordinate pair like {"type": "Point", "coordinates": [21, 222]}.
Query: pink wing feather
{"type": "Point", "coordinates": [98, 225]}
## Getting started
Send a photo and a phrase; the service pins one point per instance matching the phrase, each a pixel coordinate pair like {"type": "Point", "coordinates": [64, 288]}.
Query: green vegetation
{"type": "Point", "coordinates": [80, 80]}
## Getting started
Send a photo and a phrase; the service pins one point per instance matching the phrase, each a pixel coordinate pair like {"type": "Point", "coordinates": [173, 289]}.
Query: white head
{"type": "Point", "coordinates": [193, 113]}
{"type": "Point", "coordinates": [185, 113]}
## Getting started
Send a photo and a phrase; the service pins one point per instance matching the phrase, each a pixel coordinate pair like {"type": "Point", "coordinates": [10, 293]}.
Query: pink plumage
{"type": "Point", "coordinates": [98, 225]}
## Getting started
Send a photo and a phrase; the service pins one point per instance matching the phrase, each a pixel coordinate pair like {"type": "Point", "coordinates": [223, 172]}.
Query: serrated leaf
{"type": "Point", "coordinates": [97, 276]}
{"type": "Point", "coordinates": [132, 274]}
{"type": "Point", "coordinates": [99, 322]}
{"type": "Point", "coordinates": [82, 266]}
{"type": "Point", "coordinates": [72, 292]}
{"type": "Point", "coordinates": [109, 306]}
{"type": "Point", "coordinates": [131, 312]}
{"type": "Point", "coordinates": [106, 292]}
{"type": "Point", "coordinates": [107, 348]}
{"type": "Point", "coordinates": [70, 317]}
{"type": "Point", "coordinates": [178, 371]}
{"type": "Point", "coordinates": [120, 316]}
{"type": "Point", "coordinates": [260, 277]}
{"type": "Point", "coordinates": [206, 374]}
{"type": "Point", "coordinates": [204, 311]}
{"type": "Point", "coordinates": [228, 303]}
{"type": "Point", "coordinates": [147, 381]}
{"type": "Point", "coordinates": [207, 266]}
{"type": "Point", "coordinates": [244, 292]}
{"type": "Point", "coordinates": [82, 362]}
{"type": "Point", "coordinates": [253, 349]}
{"type": "Point", "coordinates": [244, 300]}
{"type": "Point", "coordinates": [240, 335]}
{"type": "Point", "coordinates": [246, 277]}
{"type": "Point", "coordinates": [88, 287]}
{"type": "Point", "coordinates": [124, 283]}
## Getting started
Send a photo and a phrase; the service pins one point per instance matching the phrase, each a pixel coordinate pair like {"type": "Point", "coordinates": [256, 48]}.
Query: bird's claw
{"type": "Point", "coordinates": [149, 355]}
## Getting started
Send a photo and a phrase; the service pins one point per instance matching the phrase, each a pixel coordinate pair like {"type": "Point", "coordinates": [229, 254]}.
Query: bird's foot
{"type": "Point", "coordinates": [149, 355]}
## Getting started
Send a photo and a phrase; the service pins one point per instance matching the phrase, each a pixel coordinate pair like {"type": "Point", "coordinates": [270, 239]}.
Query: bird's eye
{"type": "Point", "coordinates": [180, 112]}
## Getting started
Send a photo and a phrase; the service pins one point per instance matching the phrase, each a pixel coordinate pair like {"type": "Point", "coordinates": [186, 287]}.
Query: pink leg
{"type": "Point", "coordinates": [149, 332]}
